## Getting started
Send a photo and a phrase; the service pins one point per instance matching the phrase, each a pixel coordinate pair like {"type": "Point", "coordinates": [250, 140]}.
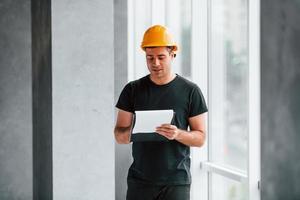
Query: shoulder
{"type": "Point", "coordinates": [187, 84]}
{"type": "Point", "coordinates": [138, 82]}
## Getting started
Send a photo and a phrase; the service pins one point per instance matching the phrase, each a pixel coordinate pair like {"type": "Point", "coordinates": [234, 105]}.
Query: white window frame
{"type": "Point", "coordinates": [201, 21]}
{"type": "Point", "coordinates": [254, 101]}
{"type": "Point", "coordinates": [201, 167]}
{"type": "Point", "coordinates": [199, 54]}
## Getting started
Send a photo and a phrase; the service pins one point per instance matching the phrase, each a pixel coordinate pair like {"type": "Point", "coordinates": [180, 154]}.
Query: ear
{"type": "Point", "coordinates": [173, 54]}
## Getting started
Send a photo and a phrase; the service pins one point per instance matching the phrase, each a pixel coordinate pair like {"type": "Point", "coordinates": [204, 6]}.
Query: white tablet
{"type": "Point", "coordinates": [147, 121]}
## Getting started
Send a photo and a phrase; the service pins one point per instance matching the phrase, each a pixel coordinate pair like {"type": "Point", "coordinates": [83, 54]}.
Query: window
{"type": "Point", "coordinates": [228, 95]}
{"type": "Point", "coordinates": [228, 83]}
{"type": "Point", "coordinates": [218, 41]}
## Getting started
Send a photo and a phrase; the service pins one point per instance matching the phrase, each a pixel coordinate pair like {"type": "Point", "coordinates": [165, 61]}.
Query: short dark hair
{"type": "Point", "coordinates": [170, 49]}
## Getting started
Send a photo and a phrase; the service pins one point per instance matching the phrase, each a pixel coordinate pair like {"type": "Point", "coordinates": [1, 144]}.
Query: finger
{"type": "Point", "coordinates": [169, 135]}
{"type": "Point", "coordinates": [165, 134]}
{"type": "Point", "coordinates": [162, 131]}
{"type": "Point", "coordinates": [167, 131]}
{"type": "Point", "coordinates": [169, 126]}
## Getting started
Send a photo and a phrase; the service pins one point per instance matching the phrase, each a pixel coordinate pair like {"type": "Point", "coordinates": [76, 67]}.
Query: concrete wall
{"type": "Point", "coordinates": [15, 101]}
{"type": "Point", "coordinates": [84, 95]}
{"type": "Point", "coordinates": [83, 100]}
{"type": "Point", "coordinates": [280, 96]}
{"type": "Point", "coordinates": [122, 152]}
{"type": "Point", "coordinates": [42, 99]}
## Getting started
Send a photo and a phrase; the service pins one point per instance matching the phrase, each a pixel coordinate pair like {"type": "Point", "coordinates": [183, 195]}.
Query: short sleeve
{"type": "Point", "coordinates": [197, 103]}
{"type": "Point", "coordinates": [125, 101]}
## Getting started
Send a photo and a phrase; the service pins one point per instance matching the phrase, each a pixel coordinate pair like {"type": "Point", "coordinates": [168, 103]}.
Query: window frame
{"type": "Point", "coordinates": [201, 167]}
{"type": "Point", "coordinates": [252, 175]}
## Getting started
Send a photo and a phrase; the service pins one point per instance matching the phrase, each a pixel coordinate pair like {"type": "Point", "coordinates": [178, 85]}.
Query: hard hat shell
{"type": "Point", "coordinates": [158, 36]}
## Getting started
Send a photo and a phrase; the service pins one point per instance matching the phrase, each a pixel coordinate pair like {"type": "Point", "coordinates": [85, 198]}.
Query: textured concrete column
{"type": "Point", "coordinates": [15, 101]}
{"type": "Point", "coordinates": [280, 99]}
{"type": "Point", "coordinates": [83, 100]}
{"type": "Point", "coordinates": [122, 152]}
{"type": "Point", "coordinates": [25, 101]}
{"type": "Point", "coordinates": [42, 99]}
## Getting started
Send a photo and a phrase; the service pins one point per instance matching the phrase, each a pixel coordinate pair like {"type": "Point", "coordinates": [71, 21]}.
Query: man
{"type": "Point", "coordinates": [161, 170]}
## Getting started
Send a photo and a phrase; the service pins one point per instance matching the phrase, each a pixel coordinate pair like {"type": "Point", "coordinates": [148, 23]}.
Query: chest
{"type": "Point", "coordinates": [162, 98]}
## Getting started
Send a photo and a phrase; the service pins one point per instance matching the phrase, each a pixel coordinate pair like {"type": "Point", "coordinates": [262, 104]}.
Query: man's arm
{"type": "Point", "coordinates": [123, 127]}
{"type": "Point", "coordinates": [195, 137]}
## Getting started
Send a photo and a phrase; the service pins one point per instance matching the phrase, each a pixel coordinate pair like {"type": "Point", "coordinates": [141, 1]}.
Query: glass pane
{"type": "Point", "coordinates": [142, 21]}
{"type": "Point", "coordinates": [228, 87]}
{"type": "Point", "coordinates": [178, 20]}
{"type": "Point", "coordinates": [227, 189]}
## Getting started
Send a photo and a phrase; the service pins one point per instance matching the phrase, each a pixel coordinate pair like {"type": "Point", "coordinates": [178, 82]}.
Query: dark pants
{"type": "Point", "coordinates": [138, 191]}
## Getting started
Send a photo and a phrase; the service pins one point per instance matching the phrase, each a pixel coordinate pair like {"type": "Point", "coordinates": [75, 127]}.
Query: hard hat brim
{"type": "Point", "coordinates": [175, 47]}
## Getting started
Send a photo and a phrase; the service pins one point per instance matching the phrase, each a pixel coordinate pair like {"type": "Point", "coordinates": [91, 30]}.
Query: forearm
{"type": "Point", "coordinates": [122, 134]}
{"type": "Point", "coordinates": [191, 138]}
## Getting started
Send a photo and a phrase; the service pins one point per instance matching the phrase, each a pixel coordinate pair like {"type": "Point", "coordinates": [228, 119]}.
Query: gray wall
{"type": "Point", "coordinates": [280, 96]}
{"type": "Point", "coordinates": [15, 101]}
{"type": "Point", "coordinates": [122, 152]}
{"type": "Point", "coordinates": [83, 100]}
{"type": "Point", "coordinates": [42, 99]}
{"type": "Point", "coordinates": [83, 97]}
{"type": "Point", "coordinates": [84, 94]}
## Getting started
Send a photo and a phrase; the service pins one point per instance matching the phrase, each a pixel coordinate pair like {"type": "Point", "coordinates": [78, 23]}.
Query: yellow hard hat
{"type": "Point", "coordinates": [158, 36]}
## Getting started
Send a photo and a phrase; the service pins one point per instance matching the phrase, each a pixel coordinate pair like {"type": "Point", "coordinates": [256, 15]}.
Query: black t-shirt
{"type": "Point", "coordinates": [162, 163]}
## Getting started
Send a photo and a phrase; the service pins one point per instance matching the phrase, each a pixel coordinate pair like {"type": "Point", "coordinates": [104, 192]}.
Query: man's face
{"type": "Point", "coordinates": [159, 61]}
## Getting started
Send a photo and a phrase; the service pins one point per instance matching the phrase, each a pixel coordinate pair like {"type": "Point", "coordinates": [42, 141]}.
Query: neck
{"type": "Point", "coordinates": [163, 80]}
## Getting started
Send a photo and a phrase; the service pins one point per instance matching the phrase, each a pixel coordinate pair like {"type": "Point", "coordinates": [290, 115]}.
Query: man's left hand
{"type": "Point", "coordinates": [169, 131]}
